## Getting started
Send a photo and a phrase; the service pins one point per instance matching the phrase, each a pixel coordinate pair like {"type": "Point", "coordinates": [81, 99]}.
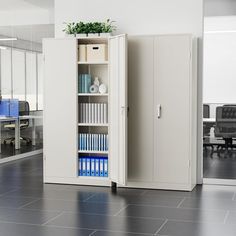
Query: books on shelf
{"type": "Point", "coordinates": [85, 81]}
{"type": "Point", "coordinates": [93, 142]}
{"type": "Point", "coordinates": [93, 113]}
{"type": "Point", "coordinates": [93, 166]}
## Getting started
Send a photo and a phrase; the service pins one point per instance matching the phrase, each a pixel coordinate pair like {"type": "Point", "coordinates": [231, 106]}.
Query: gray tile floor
{"type": "Point", "coordinates": [221, 164]}
{"type": "Point", "coordinates": [28, 207]}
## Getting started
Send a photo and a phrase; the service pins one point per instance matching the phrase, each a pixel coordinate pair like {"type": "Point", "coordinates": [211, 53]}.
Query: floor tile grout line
{"type": "Point", "coordinates": [163, 224]}
{"type": "Point", "coordinates": [13, 190]}
{"type": "Point", "coordinates": [180, 203]}
{"type": "Point", "coordinates": [60, 214]}
{"type": "Point", "coordinates": [85, 200]}
{"type": "Point", "coordinates": [226, 217]}
{"type": "Point", "coordinates": [21, 207]}
{"type": "Point", "coordinates": [93, 233]}
{"type": "Point", "coordinates": [123, 208]}
{"type": "Point", "coordinates": [105, 230]}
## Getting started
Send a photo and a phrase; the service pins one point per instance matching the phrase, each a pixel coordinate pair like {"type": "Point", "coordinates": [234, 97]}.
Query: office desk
{"type": "Point", "coordinates": [209, 120]}
{"type": "Point", "coordinates": [17, 134]}
{"type": "Point", "coordinates": [33, 118]}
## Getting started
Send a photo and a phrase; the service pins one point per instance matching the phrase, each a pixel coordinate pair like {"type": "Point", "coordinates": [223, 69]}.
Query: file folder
{"type": "Point", "coordinates": [96, 167]}
{"type": "Point", "coordinates": [101, 164]}
{"type": "Point", "coordinates": [80, 167]}
{"type": "Point", "coordinates": [92, 167]}
{"type": "Point", "coordinates": [88, 167]}
{"type": "Point", "coordinates": [84, 167]}
{"type": "Point", "coordinates": [105, 167]}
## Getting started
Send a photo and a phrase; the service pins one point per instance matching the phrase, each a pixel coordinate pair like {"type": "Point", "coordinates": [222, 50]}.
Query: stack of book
{"type": "Point", "coordinates": [84, 83]}
{"type": "Point", "coordinates": [95, 113]}
{"type": "Point", "coordinates": [93, 142]}
{"type": "Point", "coordinates": [93, 166]}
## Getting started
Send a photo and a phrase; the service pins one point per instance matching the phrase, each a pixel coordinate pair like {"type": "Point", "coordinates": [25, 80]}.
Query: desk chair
{"type": "Point", "coordinates": [24, 110]}
{"type": "Point", "coordinates": [206, 126]}
{"type": "Point", "coordinates": [226, 125]}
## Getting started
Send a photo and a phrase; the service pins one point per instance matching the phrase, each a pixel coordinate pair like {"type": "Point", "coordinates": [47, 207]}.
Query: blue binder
{"type": "Point", "coordinates": [92, 167]}
{"type": "Point", "coordinates": [105, 167]}
{"type": "Point", "coordinates": [96, 167]}
{"type": "Point", "coordinates": [84, 167]}
{"type": "Point", "coordinates": [80, 167]}
{"type": "Point", "coordinates": [101, 165]}
{"type": "Point", "coordinates": [88, 167]}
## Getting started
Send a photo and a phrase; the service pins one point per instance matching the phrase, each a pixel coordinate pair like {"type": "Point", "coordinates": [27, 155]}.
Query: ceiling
{"type": "Point", "coordinates": [8, 5]}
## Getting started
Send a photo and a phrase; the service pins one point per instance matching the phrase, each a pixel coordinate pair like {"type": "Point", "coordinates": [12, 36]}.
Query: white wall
{"type": "Point", "coordinates": [134, 16]}
{"type": "Point", "coordinates": [137, 17]}
{"type": "Point", "coordinates": [219, 75]}
{"type": "Point", "coordinates": [26, 17]}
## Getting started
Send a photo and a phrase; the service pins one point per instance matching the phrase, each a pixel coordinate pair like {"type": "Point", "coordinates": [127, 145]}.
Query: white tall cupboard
{"type": "Point", "coordinates": [62, 99]}
{"type": "Point", "coordinates": [162, 112]}
{"type": "Point", "coordinates": [157, 148]}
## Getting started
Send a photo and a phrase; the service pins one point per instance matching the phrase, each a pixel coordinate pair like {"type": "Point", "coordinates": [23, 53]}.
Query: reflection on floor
{"type": "Point", "coordinates": [9, 150]}
{"type": "Point", "coordinates": [220, 164]}
{"type": "Point", "coordinates": [29, 207]}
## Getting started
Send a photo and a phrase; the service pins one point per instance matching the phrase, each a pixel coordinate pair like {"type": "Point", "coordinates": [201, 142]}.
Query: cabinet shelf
{"type": "Point", "coordinates": [92, 152]}
{"type": "Point", "coordinates": [93, 62]}
{"type": "Point", "coordinates": [92, 124]}
{"type": "Point", "coordinates": [93, 94]}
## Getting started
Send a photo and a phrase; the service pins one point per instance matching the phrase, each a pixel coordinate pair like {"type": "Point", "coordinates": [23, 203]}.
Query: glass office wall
{"type": "Point", "coordinates": [21, 76]}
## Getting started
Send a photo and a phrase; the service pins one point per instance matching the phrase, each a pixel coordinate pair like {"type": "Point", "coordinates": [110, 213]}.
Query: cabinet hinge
{"type": "Point", "coordinates": [190, 55]}
{"type": "Point", "coordinates": [189, 163]}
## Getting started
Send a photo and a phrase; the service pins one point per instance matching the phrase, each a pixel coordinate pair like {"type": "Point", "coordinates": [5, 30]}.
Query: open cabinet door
{"type": "Point", "coordinates": [118, 109]}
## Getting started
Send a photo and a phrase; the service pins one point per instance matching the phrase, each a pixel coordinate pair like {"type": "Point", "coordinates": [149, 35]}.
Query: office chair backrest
{"type": "Point", "coordinates": [24, 108]}
{"type": "Point", "coordinates": [206, 111]}
{"type": "Point", "coordinates": [225, 121]}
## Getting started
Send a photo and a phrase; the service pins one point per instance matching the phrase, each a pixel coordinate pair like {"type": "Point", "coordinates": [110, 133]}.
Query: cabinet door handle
{"type": "Point", "coordinates": [159, 111]}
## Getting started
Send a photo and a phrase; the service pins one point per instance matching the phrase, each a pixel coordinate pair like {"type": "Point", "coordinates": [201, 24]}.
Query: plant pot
{"type": "Point", "coordinates": [81, 35]}
{"type": "Point", "coordinates": [105, 35]}
{"type": "Point", "coordinates": [93, 35]}
{"type": "Point", "coordinates": [69, 35]}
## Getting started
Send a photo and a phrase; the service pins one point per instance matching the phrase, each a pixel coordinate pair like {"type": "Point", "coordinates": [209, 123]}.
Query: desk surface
{"type": "Point", "coordinates": [5, 118]}
{"type": "Point", "coordinates": [209, 120]}
{"type": "Point", "coordinates": [30, 117]}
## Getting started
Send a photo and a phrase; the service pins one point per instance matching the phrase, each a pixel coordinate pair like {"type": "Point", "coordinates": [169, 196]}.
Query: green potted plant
{"type": "Point", "coordinates": [81, 29]}
{"type": "Point", "coordinates": [107, 28]}
{"type": "Point", "coordinates": [92, 29]}
{"type": "Point", "coordinates": [70, 29]}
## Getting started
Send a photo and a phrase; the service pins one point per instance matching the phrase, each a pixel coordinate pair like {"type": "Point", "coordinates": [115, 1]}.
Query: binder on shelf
{"type": "Point", "coordinates": [102, 113]}
{"type": "Point", "coordinates": [92, 167]}
{"type": "Point", "coordinates": [84, 112]}
{"type": "Point", "coordinates": [83, 166]}
{"type": "Point", "coordinates": [105, 167]}
{"type": "Point", "coordinates": [105, 113]}
{"type": "Point", "coordinates": [101, 165]}
{"type": "Point", "coordinates": [80, 167]}
{"type": "Point", "coordinates": [96, 113]}
{"type": "Point", "coordinates": [97, 167]}
{"type": "Point", "coordinates": [88, 167]}
{"type": "Point", "coordinates": [99, 113]}
{"type": "Point", "coordinates": [92, 112]}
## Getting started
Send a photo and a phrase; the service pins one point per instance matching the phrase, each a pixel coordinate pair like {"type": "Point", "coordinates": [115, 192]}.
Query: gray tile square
{"type": "Point", "coordinates": [14, 202]}
{"type": "Point", "coordinates": [174, 213]}
{"type": "Point", "coordinates": [174, 228]}
{"type": "Point", "coordinates": [136, 199]}
{"type": "Point", "coordinates": [9, 229]}
{"type": "Point", "coordinates": [75, 206]}
{"type": "Point", "coordinates": [111, 223]}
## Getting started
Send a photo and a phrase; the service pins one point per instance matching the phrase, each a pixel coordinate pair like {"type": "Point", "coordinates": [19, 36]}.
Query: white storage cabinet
{"type": "Point", "coordinates": [63, 121]}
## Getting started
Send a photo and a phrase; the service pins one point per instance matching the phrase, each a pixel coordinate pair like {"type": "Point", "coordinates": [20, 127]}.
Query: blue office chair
{"type": "Point", "coordinates": [24, 110]}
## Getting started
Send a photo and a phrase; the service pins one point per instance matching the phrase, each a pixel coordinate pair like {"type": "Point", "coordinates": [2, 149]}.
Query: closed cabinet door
{"type": "Point", "coordinates": [60, 103]}
{"type": "Point", "coordinates": [118, 109]}
{"type": "Point", "coordinates": [172, 100]}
